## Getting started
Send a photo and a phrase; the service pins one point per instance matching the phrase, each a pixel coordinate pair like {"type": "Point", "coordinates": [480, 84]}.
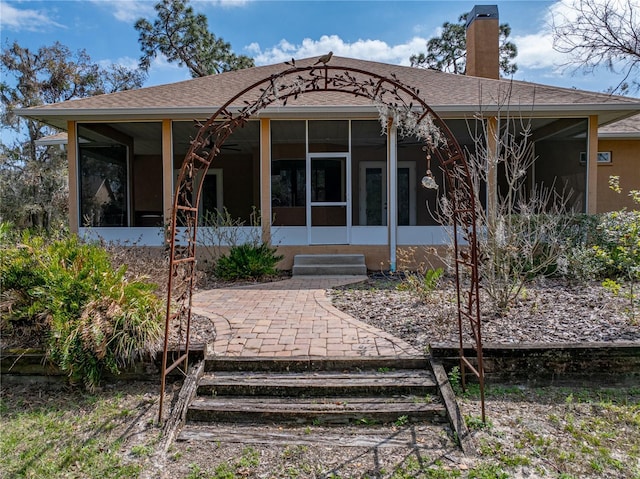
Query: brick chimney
{"type": "Point", "coordinates": [483, 37]}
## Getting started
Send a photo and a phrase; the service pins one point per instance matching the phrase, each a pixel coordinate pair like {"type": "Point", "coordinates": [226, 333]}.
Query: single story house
{"type": "Point", "coordinates": [320, 169]}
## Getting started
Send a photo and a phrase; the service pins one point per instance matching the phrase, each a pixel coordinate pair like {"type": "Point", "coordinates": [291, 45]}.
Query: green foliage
{"type": "Point", "coordinates": [248, 261]}
{"type": "Point", "coordinates": [487, 471]}
{"type": "Point", "coordinates": [33, 179]}
{"type": "Point", "coordinates": [618, 252]}
{"type": "Point", "coordinates": [244, 466]}
{"type": "Point", "coordinates": [184, 37]}
{"type": "Point", "coordinates": [610, 252]}
{"type": "Point", "coordinates": [455, 379]}
{"type": "Point", "coordinates": [476, 423]}
{"type": "Point", "coordinates": [94, 318]}
{"type": "Point", "coordinates": [66, 435]}
{"type": "Point", "coordinates": [448, 52]}
{"type": "Point", "coordinates": [422, 283]}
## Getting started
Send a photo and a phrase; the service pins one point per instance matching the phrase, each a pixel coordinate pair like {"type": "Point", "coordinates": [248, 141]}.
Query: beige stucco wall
{"type": "Point", "coordinates": [625, 163]}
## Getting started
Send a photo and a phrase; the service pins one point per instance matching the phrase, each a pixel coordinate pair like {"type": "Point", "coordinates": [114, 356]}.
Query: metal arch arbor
{"type": "Point", "coordinates": [402, 103]}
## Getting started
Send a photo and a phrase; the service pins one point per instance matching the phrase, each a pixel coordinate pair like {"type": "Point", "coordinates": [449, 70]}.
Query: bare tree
{"type": "Point", "coordinates": [597, 33]}
{"type": "Point", "coordinates": [522, 235]}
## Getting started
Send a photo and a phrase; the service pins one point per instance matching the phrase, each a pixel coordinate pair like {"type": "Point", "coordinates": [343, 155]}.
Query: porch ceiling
{"type": "Point", "coordinates": [148, 141]}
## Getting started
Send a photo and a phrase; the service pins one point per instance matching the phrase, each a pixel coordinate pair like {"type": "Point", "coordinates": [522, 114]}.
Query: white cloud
{"type": "Point", "coordinates": [374, 50]}
{"type": "Point", "coordinates": [228, 3]}
{"type": "Point", "coordinates": [127, 62]}
{"type": "Point", "coordinates": [25, 19]}
{"type": "Point", "coordinates": [130, 11]}
{"type": "Point", "coordinates": [535, 51]}
{"type": "Point", "coordinates": [126, 11]}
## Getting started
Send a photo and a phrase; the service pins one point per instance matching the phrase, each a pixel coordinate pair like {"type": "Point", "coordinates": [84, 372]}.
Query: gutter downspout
{"type": "Point", "coordinates": [392, 194]}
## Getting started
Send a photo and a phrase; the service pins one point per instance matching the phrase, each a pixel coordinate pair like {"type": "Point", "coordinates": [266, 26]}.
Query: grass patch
{"type": "Point", "coordinates": [55, 434]}
{"type": "Point", "coordinates": [580, 433]}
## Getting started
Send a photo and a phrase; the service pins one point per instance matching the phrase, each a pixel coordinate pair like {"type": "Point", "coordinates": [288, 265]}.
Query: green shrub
{"type": "Point", "coordinates": [618, 249]}
{"type": "Point", "coordinates": [422, 283]}
{"type": "Point", "coordinates": [605, 246]}
{"type": "Point", "coordinates": [95, 319]}
{"type": "Point", "coordinates": [608, 250]}
{"type": "Point", "coordinates": [247, 261]}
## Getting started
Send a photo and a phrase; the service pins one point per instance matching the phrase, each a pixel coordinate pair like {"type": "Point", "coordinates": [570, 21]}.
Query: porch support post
{"type": "Point", "coordinates": [265, 179]}
{"type": "Point", "coordinates": [392, 193]}
{"type": "Point", "coordinates": [74, 180]}
{"type": "Point", "coordinates": [167, 169]}
{"type": "Point", "coordinates": [592, 166]}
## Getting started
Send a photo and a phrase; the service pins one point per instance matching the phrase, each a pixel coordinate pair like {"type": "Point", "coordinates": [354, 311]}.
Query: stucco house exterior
{"type": "Point", "coordinates": [619, 155]}
{"type": "Point", "coordinates": [320, 169]}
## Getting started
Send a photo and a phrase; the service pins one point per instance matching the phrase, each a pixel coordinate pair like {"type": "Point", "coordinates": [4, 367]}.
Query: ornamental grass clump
{"type": "Point", "coordinates": [94, 319]}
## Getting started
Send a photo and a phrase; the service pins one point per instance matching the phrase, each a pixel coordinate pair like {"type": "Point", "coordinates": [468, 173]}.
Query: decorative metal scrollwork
{"type": "Point", "coordinates": [394, 100]}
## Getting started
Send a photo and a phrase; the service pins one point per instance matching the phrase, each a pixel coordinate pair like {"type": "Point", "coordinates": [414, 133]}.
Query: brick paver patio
{"type": "Point", "coordinates": [291, 318]}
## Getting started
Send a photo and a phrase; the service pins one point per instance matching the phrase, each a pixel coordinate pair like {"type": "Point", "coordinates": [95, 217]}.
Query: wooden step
{"type": "Point", "coordinates": [327, 411]}
{"type": "Point", "coordinates": [419, 382]}
{"type": "Point", "coordinates": [328, 391]}
{"type": "Point", "coordinates": [299, 364]}
{"type": "Point", "coordinates": [414, 436]}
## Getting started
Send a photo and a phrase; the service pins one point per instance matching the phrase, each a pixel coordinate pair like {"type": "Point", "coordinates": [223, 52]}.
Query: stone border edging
{"type": "Point", "coordinates": [553, 364]}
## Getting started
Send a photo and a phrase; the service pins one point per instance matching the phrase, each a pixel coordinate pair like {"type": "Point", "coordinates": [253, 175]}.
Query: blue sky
{"type": "Point", "coordinates": [272, 31]}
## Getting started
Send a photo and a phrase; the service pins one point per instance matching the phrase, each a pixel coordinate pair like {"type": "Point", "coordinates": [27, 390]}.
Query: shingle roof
{"type": "Point", "coordinates": [442, 91]}
{"type": "Point", "coordinates": [627, 128]}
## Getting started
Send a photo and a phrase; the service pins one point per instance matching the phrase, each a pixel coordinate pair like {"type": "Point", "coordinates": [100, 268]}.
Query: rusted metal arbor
{"type": "Point", "coordinates": [401, 104]}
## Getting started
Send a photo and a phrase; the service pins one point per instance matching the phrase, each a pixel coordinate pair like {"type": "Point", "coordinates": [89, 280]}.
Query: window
{"type": "Point", "coordinates": [604, 157]}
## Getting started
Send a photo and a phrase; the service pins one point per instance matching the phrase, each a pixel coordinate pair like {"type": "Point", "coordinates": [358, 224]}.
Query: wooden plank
{"type": "Point", "coordinates": [334, 410]}
{"type": "Point", "coordinates": [315, 364]}
{"type": "Point", "coordinates": [413, 437]}
{"type": "Point", "coordinates": [404, 382]}
{"type": "Point", "coordinates": [315, 404]}
{"type": "Point", "coordinates": [178, 413]}
{"type": "Point", "coordinates": [453, 410]}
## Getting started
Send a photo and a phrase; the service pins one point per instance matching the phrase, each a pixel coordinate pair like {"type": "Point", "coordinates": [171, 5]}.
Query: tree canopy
{"type": "Point", "coordinates": [448, 52]}
{"type": "Point", "coordinates": [184, 37]}
{"type": "Point", "coordinates": [595, 33]}
{"type": "Point", "coordinates": [33, 183]}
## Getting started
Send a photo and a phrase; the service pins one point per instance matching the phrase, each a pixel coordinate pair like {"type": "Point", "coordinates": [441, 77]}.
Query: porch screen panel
{"type": "Point", "coordinates": [404, 195]}
{"type": "Point", "coordinates": [126, 159]}
{"type": "Point", "coordinates": [103, 175]}
{"type": "Point", "coordinates": [368, 173]}
{"type": "Point", "coordinates": [558, 165]}
{"type": "Point", "coordinates": [328, 136]}
{"type": "Point", "coordinates": [410, 152]}
{"type": "Point", "coordinates": [231, 189]}
{"type": "Point", "coordinates": [288, 172]}
{"type": "Point", "coordinates": [375, 200]}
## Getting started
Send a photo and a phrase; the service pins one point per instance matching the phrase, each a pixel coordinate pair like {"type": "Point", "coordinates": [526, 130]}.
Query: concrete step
{"type": "Point", "coordinates": [322, 383]}
{"type": "Point", "coordinates": [329, 265]}
{"type": "Point", "coordinates": [329, 270]}
{"type": "Point", "coordinates": [343, 259]}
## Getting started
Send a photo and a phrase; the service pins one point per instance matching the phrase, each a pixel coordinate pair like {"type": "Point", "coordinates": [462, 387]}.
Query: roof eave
{"type": "Point", "coordinates": [606, 112]}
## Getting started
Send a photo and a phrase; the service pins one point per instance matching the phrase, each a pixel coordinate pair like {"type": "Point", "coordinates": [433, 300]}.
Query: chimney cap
{"type": "Point", "coordinates": [482, 12]}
